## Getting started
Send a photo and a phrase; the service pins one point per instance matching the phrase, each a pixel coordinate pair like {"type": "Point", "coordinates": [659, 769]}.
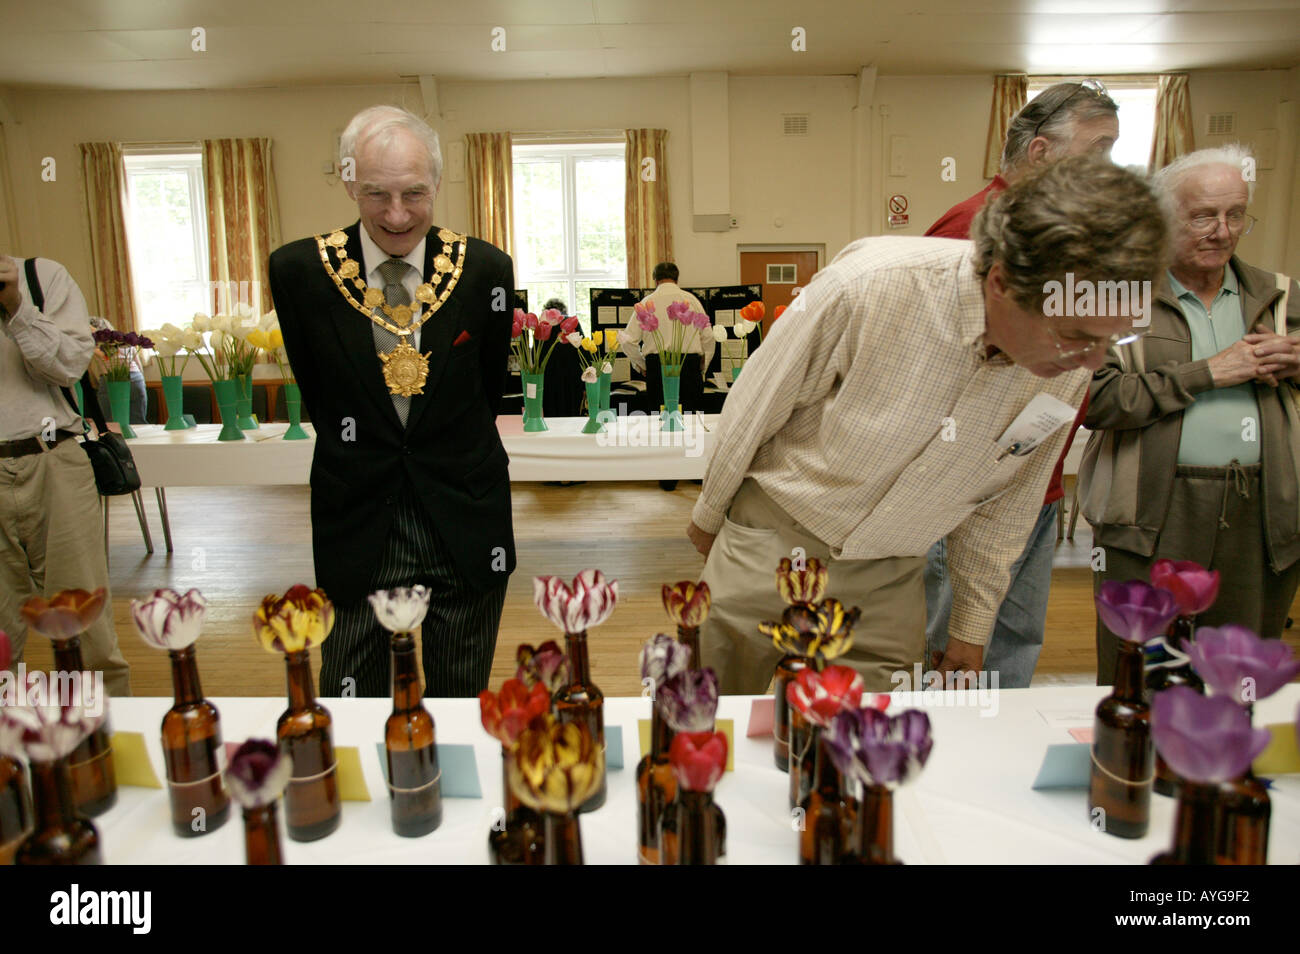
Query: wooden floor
{"type": "Point", "coordinates": [238, 544]}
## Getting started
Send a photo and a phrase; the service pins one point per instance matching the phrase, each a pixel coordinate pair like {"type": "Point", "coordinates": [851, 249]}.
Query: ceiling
{"type": "Point", "coordinates": [146, 44]}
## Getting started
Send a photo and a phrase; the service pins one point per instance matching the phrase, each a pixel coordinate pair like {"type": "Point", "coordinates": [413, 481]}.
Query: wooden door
{"type": "Point", "coordinates": [754, 271]}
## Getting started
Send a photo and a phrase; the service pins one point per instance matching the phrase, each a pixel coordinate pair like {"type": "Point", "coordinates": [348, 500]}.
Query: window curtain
{"type": "Point", "coordinates": [104, 177]}
{"type": "Point", "coordinates": [490, 171]}
{"type": "Point", "coordinates": [1010, 92]}
{"type": "Point", "coordinates": [1173, 133]}
{"type": "Point", "coordinates": [243, 217]}
{"type": "Point", "coordinates": [646, 219]}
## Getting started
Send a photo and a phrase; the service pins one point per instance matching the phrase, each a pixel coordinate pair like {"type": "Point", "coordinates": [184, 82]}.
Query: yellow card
{"type": "Point", "coordinates": [720, 725]}
{"type": "Point", "coordinates": [131, 761]}
{"type": "Point", "coordinates": [352, 782]}
{"type": "Point", "coordinates": [1282, 755]}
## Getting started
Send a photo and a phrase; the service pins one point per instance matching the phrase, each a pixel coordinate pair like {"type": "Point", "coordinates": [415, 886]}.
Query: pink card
{"type": "Point", "coordinates": [760, 718]}
{"type": "Point", "coordinates": [1082, 734]}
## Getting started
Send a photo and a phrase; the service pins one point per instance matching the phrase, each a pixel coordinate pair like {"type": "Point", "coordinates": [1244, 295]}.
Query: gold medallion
{"type": "Point", "coordinates": [425, 294]}
{"type": "Point", "coordinates": [349, 269]}
{"type": "Point", "coordinates": [401, 315]}
{"type": "Point", "coordinates": [447, 235]}
{"type": "Point", "coordinates": [442, 263]}
{"type": "Point", "coordinates": [405, 369]}
{"type": "Point", "coordinates": [337, 239]}
{"type": "Point", "coordinates": [373, 298]}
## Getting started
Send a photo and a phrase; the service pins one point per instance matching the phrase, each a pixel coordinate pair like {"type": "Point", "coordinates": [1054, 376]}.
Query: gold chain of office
{"type": "Point", "coordinates": [405, 369]}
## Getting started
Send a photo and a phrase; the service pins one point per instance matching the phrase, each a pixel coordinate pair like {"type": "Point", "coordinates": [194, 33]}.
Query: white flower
{"type": "Point", "coordinates": [269, 321]}
{"type": "Point", "coordinates": [200, 322]}
{"type": "Point", "coordinates": [215, 338]}
{"type": "Point", "coordinates": [191, 339]}
{"type": "Point", "coordinates": [748, 326]}
{"type": "Point", "coordinates": [589, 375]}
{"type": "Point", "coordinates": [401, 610]}
{"type": "Point", "coordinates": [169, 620]}
{"type": "Point", "coordinates": [221, 323]}
{"type": "Point", "coordinates": [719, 333]}
{"type": "Point", "coordinates": [574, 339]}
{"type": "Point", "coordinates": [607, 369]}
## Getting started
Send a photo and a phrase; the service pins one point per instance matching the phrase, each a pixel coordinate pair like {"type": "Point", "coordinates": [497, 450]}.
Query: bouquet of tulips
{"type": "Point", "coordinates": [168, 343]}
{"type": "Point", "coordinates": [529, 334]}
{"type": "Point", "coordinates": [685, 323]}
{"type": "Point", "coordinates": [268, 339]}
{"type": "Point", "coordinates": [120, 351]}
{"type": "Point", "coordinates": [596, 353]}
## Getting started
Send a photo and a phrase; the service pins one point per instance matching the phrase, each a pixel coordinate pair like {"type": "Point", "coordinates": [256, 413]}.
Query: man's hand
{"type": "Point", "coordinates": [1237, 364]}
{"type": "Point", "coordinates": [959, 657]}
{"type": "Point", "coordinates": [11, 298]}
{"type": "Point", "coordinates": [703, 541]}
{"type": "Point", "coordinates": [1279, 356]}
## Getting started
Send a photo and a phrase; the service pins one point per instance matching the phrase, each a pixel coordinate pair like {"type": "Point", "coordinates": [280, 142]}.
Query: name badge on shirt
{"type": "Point", "coordinates": [1038, 421]}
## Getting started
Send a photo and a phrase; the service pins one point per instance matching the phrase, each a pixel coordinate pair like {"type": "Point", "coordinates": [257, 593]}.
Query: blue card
{"type": "Point", "coordinates": [459, 770]}
{"type": "Point", "coordinates": [613, 747]}
{"type": "Point", "coordinates": [1065, 765]}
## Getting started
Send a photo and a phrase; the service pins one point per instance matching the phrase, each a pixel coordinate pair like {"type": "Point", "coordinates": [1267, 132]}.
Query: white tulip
{"type": "Point", "coordinates": [221, 323]}
{"type": "Point", "coordinates": [401, 610]}
{"type": "Point", "coordinates": [191, 340]}
{"type": "Point", "coordinates": [201, 322]}
{"type": "Point", "coordinates": [719, 333]}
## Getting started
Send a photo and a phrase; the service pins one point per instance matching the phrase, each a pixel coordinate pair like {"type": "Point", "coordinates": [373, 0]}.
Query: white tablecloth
{"type": "Point", "coordinates": [634, 447]}
{"type": "Point", "coordinates": [971, 805]}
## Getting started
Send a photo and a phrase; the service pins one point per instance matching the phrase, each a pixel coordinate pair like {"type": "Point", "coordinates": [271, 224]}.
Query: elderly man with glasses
{"type": "Point", "coordinates": [1191, 455]}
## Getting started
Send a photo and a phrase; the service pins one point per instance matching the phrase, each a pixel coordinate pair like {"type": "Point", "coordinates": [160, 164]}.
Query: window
{"type": "Point", "coordinates": [568, 223]}
{"type": "Point", "coordinates": [167, 233]}
{"type": "Point", "coordinates": [1136, 99]}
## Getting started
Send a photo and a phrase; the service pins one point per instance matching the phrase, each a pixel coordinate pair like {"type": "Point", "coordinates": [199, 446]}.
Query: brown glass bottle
{"type": "Point", "coordinates": [690, 636]}
{"type": "Point", "coordinates": [303, 732]}
{"type": "Point", "coordinates": [1196, 827]}
{"type": "Point", "coordinates": [829, 814]}
{"type": "Point", "coordinates": [683, 819]}
{"type": "Point", "coordinates": [191, 744]}
{"type": "Point", "coordinates": [262, 836]}
{"type": "Point", "coordinates": [1123, 758]}
{"type": "Point", "coordinates": [1245, 811]}
{"type": "Point", "coordinates": [1164, 677]}
{"type": "Point", "coordinates": [563, 840]}
{"type": "Point", "coordinates": [516, 838]}
{"type": "Point", "coordinates": [803, 756]}
{"type": "Point", "coordinates": [15, 808]}
{"type": "Point", "coordinates": [94, 779]}
{"type": "Point", "coordinates": [873, 832]}
{"type": "Point", "coordinates": [582, 701]}
{"type": "Point", "coordinates": [60, 835]}
{"type": "Point", "coordinates": [414, 779]}
{"type": "Point", "coordinates": [656, 787]}
{"type": "Point", "coordinates": [786, 670]}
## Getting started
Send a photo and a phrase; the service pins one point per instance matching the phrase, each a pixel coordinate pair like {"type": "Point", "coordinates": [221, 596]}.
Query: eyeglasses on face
{"type": "Point", "coordinates": [1238, 221]}
{"type": "Point", "coordinates": [1094, 87]}
{"type": "Point", "coordinates": [1082, 346]}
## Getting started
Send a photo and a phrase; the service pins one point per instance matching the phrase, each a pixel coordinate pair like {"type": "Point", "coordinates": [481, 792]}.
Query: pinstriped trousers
{"type": "Point", "coordinates": [460, 630]}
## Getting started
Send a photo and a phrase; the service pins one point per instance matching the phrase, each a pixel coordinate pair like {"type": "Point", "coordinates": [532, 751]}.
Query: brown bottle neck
{"type": "Point", "coordinates": [661, 734]}
{"type": "Point", "coordinates": [1196, 824]}
{"type": "Point", "coordinates": [52, 794]}
{"type": "Point", "coordinates": [876, 825]}
{"type": "Point", "coordinates": [690, 636]}
{"type": "Point", "coordinates": [1128, 672]}
{"type": "Point", "coordinates": [697, 835]}
{"type": "Point", "coordinates": [826, 777]}
{"type": "Point", "coordinates": [1180, 632]}
{"type": "Point", "coordinates": [185, 676]}
{"type": "Point", "coordinates": [302, 691]}
{"type": "Point", "coordinates": [67, 655]}
{"type": "Point", "coordinates": [406, 676]}
{"type": "Point", "coordinates": [575, 644]}
{"type": "Point", "coordinates": [563, 839]}
{"type": "Point", "coordinates": [261, 836]}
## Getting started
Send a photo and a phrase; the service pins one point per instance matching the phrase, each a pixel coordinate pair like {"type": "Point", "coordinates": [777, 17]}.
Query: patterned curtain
{"type": "Point", "coordinates": [1173, 133]}
{"type": "Point", "coordinates": [646, 219]}
{"type": "Point", "coordinates": [104, 177]}
{"type": "Point", "coordinates": [490, 171]}
{"type": "Point", "coordinates": [243, 217]}
{"type": "Point", "coordinates": [1010, 92]}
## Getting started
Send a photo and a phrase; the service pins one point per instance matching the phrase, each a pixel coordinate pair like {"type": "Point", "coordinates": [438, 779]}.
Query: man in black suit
{"type": "Point", "coordinates": [398, 333]}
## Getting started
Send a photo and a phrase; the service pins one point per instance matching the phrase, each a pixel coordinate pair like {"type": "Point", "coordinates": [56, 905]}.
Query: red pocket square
{"type": "Point", "coordinates": [461, 339]}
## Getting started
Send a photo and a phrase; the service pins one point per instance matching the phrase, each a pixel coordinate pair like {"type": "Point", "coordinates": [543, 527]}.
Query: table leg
{"type": "Point", "coordinates": [103, 512]}
{"type": "Point", "coordinates": [161, 494]}
{"type": "Point", "coordinates": [138, 500]}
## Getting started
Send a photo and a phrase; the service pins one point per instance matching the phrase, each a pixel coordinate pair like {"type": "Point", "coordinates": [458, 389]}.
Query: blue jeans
{"type": "Point", "coordinates": [1012, 650]}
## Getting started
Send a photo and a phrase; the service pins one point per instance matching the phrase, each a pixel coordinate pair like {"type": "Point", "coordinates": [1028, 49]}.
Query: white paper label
{"type": "Point", "coordinates": [1038, 421]}
{"type": "Point", "coordinates": [530, 390]}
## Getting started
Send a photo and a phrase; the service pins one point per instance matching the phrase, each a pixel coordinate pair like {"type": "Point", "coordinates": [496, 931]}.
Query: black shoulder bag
{"type": "Point", "coordinates": [111, 459]}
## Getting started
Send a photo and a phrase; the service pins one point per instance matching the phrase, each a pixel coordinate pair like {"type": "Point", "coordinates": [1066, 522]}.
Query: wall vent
{"type": "Point", "coordinates": [794, 124]}
{"type": "Point", "coordinates": [782, 275]}
{"type": "Point", "coordinates": [1222, 124]}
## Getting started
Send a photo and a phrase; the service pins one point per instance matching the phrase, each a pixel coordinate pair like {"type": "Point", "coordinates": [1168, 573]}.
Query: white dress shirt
{"type": "Point", "coordinates": [373, 256]}
{"type": "Point", "coordinates": [636, 343]}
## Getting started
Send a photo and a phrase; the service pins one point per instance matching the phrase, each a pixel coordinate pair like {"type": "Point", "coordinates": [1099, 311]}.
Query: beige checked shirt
{"type": "Point", "coordinates": [871, 416]}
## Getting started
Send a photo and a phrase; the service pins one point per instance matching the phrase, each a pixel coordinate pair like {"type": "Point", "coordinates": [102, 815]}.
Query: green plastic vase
{"type": "Point", "coordinates": [244, 409]}
{"type": "Point", "coordinates": [174, 395]}
{"type": "Point", "coordinates": [533, 420]}
{"type": "Point", "coordinates": [228, 403]}
{"type": "Point", "coordinates": [119, 401]}
{"type": "Point", "coordinates": [293, 403]}
{"type": "Point", "coordinates": [671, 416]}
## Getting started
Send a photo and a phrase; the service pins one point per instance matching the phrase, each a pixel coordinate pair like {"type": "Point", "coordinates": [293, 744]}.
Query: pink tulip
{"type": "Point", "coordinates": [551, 316]}
{"type": "Point", "coordinates": [574, 609]}
{"type": "Point", "coordinates": [1194, 587]}
{"type": "Point", "coordinates": [678, 311]}
{"type": "Point", "coordinates": [569, 325]}
{"type": "Point", "coordinates": [530, 321]}
{"type": "Point", "coordinates": [544, 329]}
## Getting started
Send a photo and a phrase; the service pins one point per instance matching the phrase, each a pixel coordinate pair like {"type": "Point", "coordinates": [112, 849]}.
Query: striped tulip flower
{"type": "Point", "coordinates": [555, 766]}
{"type": "Point", "coordinates": [168, 620]}
{"type": "Point", "coordinates": [663, 657]}
{"type": "Point", "coordinates": [547, 664]}
{"type": "Point", "coordinates": [297, 621]}
{"type": "Point", "coordinates": [806, 585]}
{"type": "Point", "coordinates": [401, 610]}
{"type": "Point", "coordinates": [698, 759]}
{"type": "Point", "coordinates": [45, 733]}
{"type": "Point", "coordinates": [1194, 587]}
{"type": "Point", "coordinates": [507, 713]}
{"type": "Point", "coordinates": [577, 608]}
{"type": "Point", "coordinates": [258, 773]}
{"type": "Point", "coordinates": [1135, 611]}
{"type": "Point", "coordinates": [687, 602]}
{"type": "Point", "coordinates": [67, 614]}
{"type": "Point", "coordinates": [820, 695]}
{"type": "Point", "coordinates": [689, 700]}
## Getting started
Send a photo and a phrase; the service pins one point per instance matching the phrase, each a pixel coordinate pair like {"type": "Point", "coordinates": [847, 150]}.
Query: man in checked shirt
{"type": "Point", "coordinates": [870, 425]}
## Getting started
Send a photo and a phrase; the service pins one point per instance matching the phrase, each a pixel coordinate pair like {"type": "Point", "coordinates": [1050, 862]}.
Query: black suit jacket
{"type": "Point", "coordinates": [449, 453]}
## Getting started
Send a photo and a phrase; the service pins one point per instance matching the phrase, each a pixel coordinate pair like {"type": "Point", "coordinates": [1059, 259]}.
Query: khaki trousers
{"type": "Point", "coordinates": [52, 539]}
{"type": "Point", "coordinates": [741, 573]}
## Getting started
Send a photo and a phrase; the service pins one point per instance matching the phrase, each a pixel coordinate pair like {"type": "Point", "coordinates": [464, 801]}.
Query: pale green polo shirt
{"type": "Point", "coordinates": [1213, 432]}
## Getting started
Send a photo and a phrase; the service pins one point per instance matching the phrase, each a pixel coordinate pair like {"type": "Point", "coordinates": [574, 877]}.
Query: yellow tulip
{"type": "Point", "coordinates": [258, 339]}
{"type": "Point", "coordinates": [611, 338]}
{"type": "Point", "coordinates": [598, 337]}
{"type": "Point", "coordinates": [299, 620]}
{"type": "Point", "coordinates": [588, 345]}
{"type": "Point", "coordinates": [276, 339]}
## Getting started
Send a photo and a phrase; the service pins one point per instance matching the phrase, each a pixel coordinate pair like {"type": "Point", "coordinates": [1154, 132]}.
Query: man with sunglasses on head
{"type": "Point", "coordinates": [1068, 119]}
{"type": "Point", "coordinates": [1190, 457]}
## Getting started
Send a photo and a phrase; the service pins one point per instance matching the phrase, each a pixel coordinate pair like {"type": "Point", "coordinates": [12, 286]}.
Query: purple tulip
{"type": "Point", "coordinates": [1206, 739]}
{"type": "Point", "coordinates": [1240, 665]}
{"type": "Point", "coordinates": [663, 657]}
{"type": "Point", "coordinates": [894, 748]}
{"type": "Point", "coordinates": [258, 773]}
{"type": "Point", "coordinates": [842, 738]}
{"type": "Point", "coordinates": [1136, 610]}
{"type": "Point", "coordinates": [145, 342]}
{"type": "Point", "coordinates": [131, 338]}
{"type": "Point", "coordinates": [689, 700]}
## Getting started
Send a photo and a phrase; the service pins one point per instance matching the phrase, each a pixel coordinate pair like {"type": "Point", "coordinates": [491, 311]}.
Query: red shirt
{"type": "Point", "coordinates": [955, 223]}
